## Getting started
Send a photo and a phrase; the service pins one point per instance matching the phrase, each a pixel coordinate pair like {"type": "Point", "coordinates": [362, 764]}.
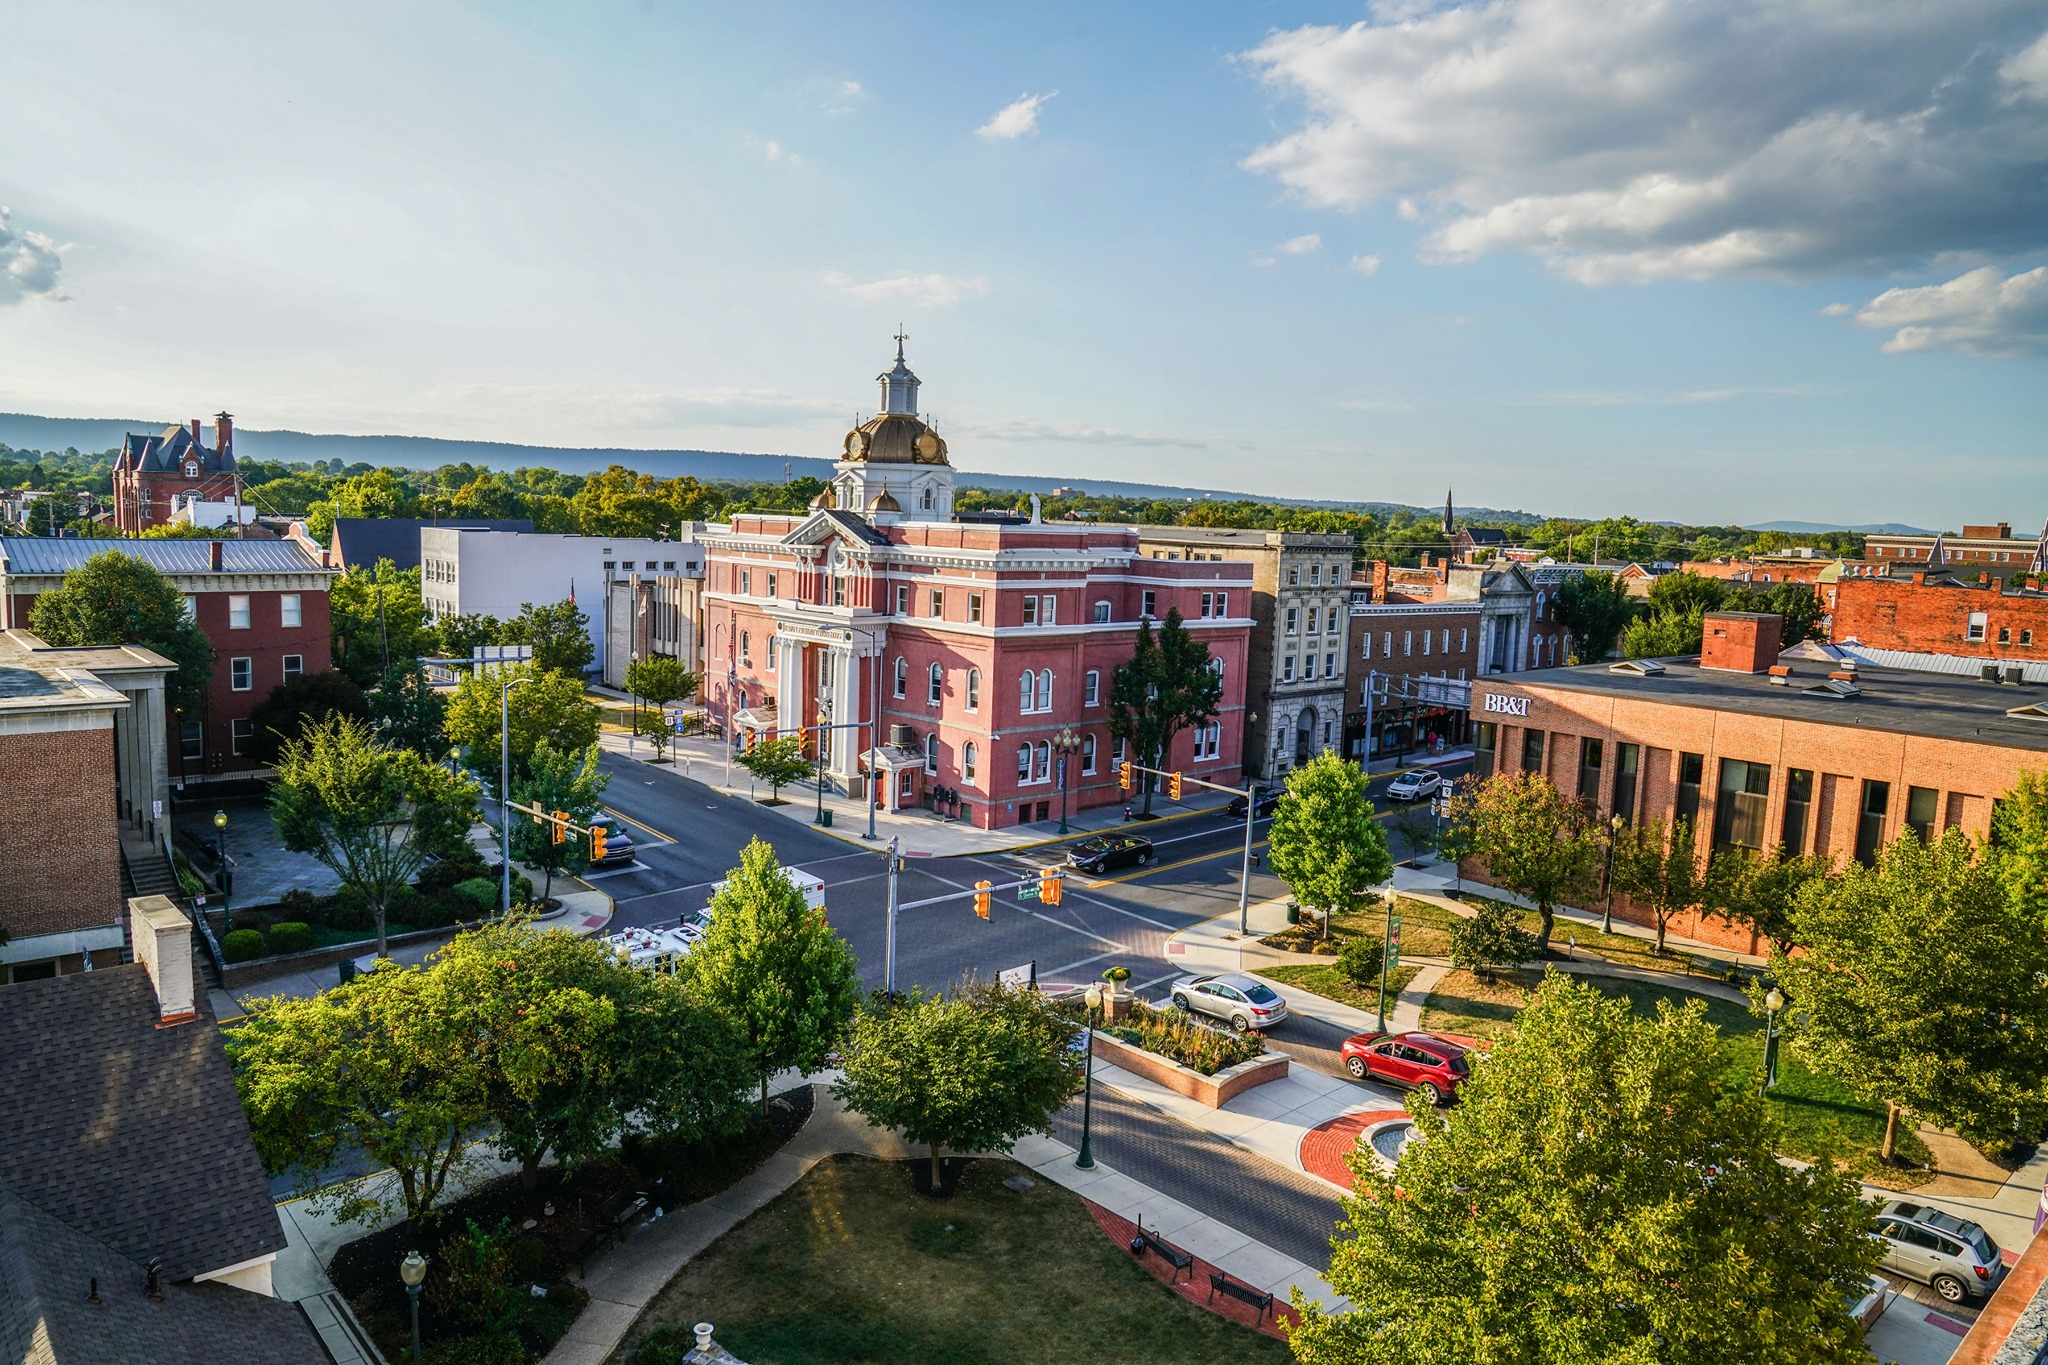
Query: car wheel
{"type": "Point", "coordinates": [1356, 1066]}
{"type": "Point", "coordinates": [1180, 1002]}
{"type": "Point", "coordinates": [1431, 1093]}
{"type": "Point", "coordinates": [1240, 1023]}
{"type": "Point", "coordinates": [1951, 1289]}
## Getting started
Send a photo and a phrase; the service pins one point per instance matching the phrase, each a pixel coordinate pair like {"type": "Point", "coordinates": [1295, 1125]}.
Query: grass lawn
{"type": "Point", "coordinates": [853, 1265]}
{"type": "Point", "coordinates": [1820, 1116]}
{"type": "Point", "coordinates": [1635, 952]}
{"type": "Point", "coordinates": [1332, 984]}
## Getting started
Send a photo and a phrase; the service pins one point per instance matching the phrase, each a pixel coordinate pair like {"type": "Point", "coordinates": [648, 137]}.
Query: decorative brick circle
{"type": "Point", "coordinates": [1325, 1146]}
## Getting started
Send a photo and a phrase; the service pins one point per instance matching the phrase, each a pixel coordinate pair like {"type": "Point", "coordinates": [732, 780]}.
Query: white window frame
{"type": "Point", "coordinates": [1087, 755]}
{"type": "Point", "coordinates": [974, 608]}
{"type": "Point", "coordinates": [1407, 644]}
{"type": "Point", "coordinates": [1293, 621]}
{"type": "Point", "coordinates": [1315, 617]}
{"type": "Point", "coordinates": [938, 604]}
{"type": "Point", "coordinates": [1024, 765]}
{"type": "Point", "coordinates": [1025, 682]}
{"type": "Point", "coordinates": [1308, 668]}
{"type": "Point", "coordinates": [1048, 610]}
{"type": "Point", "coordinates": [1042, 766]}
{"type": "Point", "coordinates": [935, 685]}
{"type": "Point", "coordinates": [1287, 669]}
{"type": "Point", "coordinates": [294, 666]}
{"type": "Point", "coordinates": [903, 599]}
{"type": "Point", "coordinates": [238, 611]}
{"type": "Point", "coordinates": [1223, 604]}
{"type": "Point", "coordinates": [1102, 613]}
{"type": "Point", "coordinates": [770, 585]}
{"type": "Point", "coordinates": [973, 689]}
{"type": "Point", "coordinates": [931, 754]}
{"type": "Point", "coordinates": [1091, 687]}
{"type": "Point", "coordinates": [1147, 602]}
{"type": "Point", "coordinates": [1030, 611]}
{"type": "Point", "coordinates": [240, 730]}
{"type": "Point", "coordinates": [746, 581]}
{"type": "Point", "coordinates": [1978, 621]}
{"type": "Point", "coordinates": [244, 669]}
{"type": "Point", "coordinates": [1044, 690]}
{"type": "Point", "coordinates": [192, 741]}
{"type": "Point", "coordinates": [969, 753]}
{"type": "Point", "coordinates": [290, 611]}
{"type": "Point", "coordinates": [901, 677]}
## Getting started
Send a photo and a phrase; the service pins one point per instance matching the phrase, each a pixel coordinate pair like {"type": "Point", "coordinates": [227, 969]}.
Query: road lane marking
{"type": "Point", "coordinates": [1168, 867]}
{"type": "Point", "coordinates": [636, 824]}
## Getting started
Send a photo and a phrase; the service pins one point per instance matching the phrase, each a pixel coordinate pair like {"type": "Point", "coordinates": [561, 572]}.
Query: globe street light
{"type": "Point", "coordinates": [413, 1270]}
{"type": "Point", "coordinates": [1773, 1002]}
{"type": "Point", "coordinates": [1086, 1159]}
{"type": "Point", "coordinates": [1066, 741]}
{"type": "Point", "coordinates": [220, 858]}
{"type": "Point", "coordinates": [1616, 825]}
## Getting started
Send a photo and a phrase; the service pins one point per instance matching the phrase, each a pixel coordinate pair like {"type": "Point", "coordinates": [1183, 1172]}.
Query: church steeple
{"type": "Point", "coordinates": [899, 385]}
{"type": "Point", "coordinates": [1449, 528]}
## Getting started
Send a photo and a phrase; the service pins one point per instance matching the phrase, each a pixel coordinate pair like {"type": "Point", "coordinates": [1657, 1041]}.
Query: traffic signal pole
{"type": "Point", "coordinates": [1175, 781]}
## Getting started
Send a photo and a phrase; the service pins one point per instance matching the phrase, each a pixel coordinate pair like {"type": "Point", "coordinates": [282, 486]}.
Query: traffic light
{"type": "Point", "coordinates": [1123, 775]}
{"type": "Point", "coordinates": [1173, 786]}
{"type": "Point", "coordinates": [981, 898]}
{"type": "Point", "coordinates": [1051, 883]}
{"type": "Point", "coordinates": [597, 843]}
{"type": "Point", "coordinates": [753, 737]}
{"type": "Point", "coordinates": [561, 826]}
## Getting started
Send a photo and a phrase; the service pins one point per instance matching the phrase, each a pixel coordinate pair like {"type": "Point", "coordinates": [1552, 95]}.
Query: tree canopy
{"type": "Point", "coordinates": [557, 780]}
{"type": "Point", "coordinates": [1594, 608]}
{"type": "Point", "coordinates": [1324, 842]}
{"type": "Point", "coordinates": [1658, 865]}
{"type": "Point", "coordinates": [116, 599]}
{"type": "Point", "coordinates": [1534, 840]}
{"type": "Point", "coordinates": [1170, 684]}
{"type": "Point", "coordinates": [293, 707]}
{"type": "Point", "coordinates": [777, 760]}
{"type": "Point", "coordinates": [548, 706]}
{"type": "Point", "coordinates": [558, 632]}
{"type": "Point", "coordinates": [1599, 1193]}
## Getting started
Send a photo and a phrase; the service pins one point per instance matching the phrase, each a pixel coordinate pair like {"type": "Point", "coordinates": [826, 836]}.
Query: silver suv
{"type": "Point", "coordinates": [1954, 1256]}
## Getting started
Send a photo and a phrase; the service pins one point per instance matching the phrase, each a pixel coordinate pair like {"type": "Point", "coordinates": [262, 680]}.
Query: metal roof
{"type": "Point", "coordinates": [49, 555]}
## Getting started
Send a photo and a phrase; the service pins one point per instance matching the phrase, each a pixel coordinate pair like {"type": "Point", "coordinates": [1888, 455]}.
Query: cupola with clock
{"type": "Point", "coordinates": [894, 466]}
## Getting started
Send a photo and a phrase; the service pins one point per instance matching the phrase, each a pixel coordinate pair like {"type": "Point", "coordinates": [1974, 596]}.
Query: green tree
{"type": "Point", "coordinates": [1921, 985]}
{"type": "Point", "coordinates": [774, 968]}
{"type": "Point", "coordinates": [548, 706]}
{"type": "Point", "coordinates": [1763, 891]}
{"type": "Point", "coordinates": [1170, 684]}
{"type": "Point", "coordinates": [456, 637]}
{"type": "Point", "coordinates": [660, 679]}
{"type": "Point", "coordinates": [384, 1069]}
{"type": "Point", "coordinates": [1796, 604]}
{"type": "Point", "coordinates": [377, 614]}
{"type": "Point", "coordinates": [972, 1071]}
{"type": "Point", "coordinates": [578, 1050]}
{"type": "Point", "coordinates": [1534, 840]}
{"type": "Point", "coordinates": [1664, 635]}
{"type": "Point", "coordinates": [409, 711]}
{"type": "Point", "coordinates": [1594, 608]}
{"type": "Point", "coordinates": [369, 812]}
{"type": "Point", "coordinates": [1685, 592]}
{"type": "Point", "coordinates": [1324, 842]}
{"type": "Point", "coordinates": [116, 599]}
{"type": "Point", "coordinates": [558, 632]}
{"type": "Point", "coordinates": [557, 780]}
{"type": "Point", "coordinates": [1658, 867]}
{"type": "Point", "coordinates": [1492, 937]}
{"type": "Point", "coordinates": [655, 726]}
{"type": "Point", "coordinates": [2019, 831]}
{"type": "Point", "coordinates": [294, 707]}
{"type": "Point", "coordinates": [185, 530]}
{"type": "Point", "coordinates": [777, 760]}
{"type": "Point", "coordinates": [1599, 1193]}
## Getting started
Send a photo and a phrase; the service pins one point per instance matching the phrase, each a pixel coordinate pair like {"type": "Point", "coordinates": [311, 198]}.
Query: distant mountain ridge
{"type": "Point", "coordinates": [1808, 528]}
{"type": "Point", "coordinates": [25, 431]}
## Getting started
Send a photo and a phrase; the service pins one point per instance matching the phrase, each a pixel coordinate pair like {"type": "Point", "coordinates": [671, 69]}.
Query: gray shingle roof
{"type": "Point", "coordinates": [365, 540]}
{"type": "Point", "coordinates": [47, 1268]}
{"type": "Point", "coordinates": [51, 555]}
{"type": "Point", "coordinates": [126, 1132]}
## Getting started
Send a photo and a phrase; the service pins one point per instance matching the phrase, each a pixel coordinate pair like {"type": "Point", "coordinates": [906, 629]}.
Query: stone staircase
{"type": "Point", "coordinates": [145, 871]}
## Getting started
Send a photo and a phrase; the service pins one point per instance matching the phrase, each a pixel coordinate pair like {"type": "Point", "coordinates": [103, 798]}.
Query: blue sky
{"type": "Point", "coordinates": [1736, 261]}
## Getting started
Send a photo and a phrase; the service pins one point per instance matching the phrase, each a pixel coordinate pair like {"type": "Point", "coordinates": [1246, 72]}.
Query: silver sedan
{"type": "Point", "coordinates": [1244, 1002]}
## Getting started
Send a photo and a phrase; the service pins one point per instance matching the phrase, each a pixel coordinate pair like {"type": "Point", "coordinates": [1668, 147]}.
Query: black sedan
{"type": "Point", "coordinates": [1269, 801]}
{"type": "Point", "coordinates": [1107, 851]}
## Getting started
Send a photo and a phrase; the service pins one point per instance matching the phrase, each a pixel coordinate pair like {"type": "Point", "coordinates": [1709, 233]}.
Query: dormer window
{"type": "Point", "coordinates": [191, 469]}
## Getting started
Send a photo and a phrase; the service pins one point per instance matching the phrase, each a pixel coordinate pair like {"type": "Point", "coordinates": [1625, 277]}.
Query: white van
{"type": "Point", "coordinates": [658, 950]}
{"type": "Point", "coordinates": [812, 887]}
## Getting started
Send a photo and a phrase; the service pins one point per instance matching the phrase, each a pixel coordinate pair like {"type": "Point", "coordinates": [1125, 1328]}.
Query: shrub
{"type": "Point", "coordinates": [303, 906]}
{"type": "Point", "coordinates": [470, 1289]}
{"type": "Point", "coordinates": [1175, 1035]}
{"type": "Point", "coordinates": [528, 1258]}
{"type": "Point", "coordinates": [243, 945]}
{"type": "Point", "coordinates": [479, 896]}
{"type": "Point", "coordinates": [1493, 937]}
{"type": "Point", "coordinates": [665, 1345]}
{"type": "Point", "coordinates": [452, 871]}
{"type": "Point", "coordinates": [290, 936]}
{"type": "Point", "coordinates": [492, 1348]}
{"type": "Point", "coordinates": [1360, 959]}
{"type": "Point", "coordinates": [349, 912]}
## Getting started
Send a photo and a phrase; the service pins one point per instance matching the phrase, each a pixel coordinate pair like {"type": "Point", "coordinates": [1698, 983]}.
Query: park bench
{"type": "Point", "coordinates": [1710, 966]}
{"type": "Point", "coordinates": [1181, 1262]}
{"type": "Point", "coordinates": [1243, 1293]}
{"type": "Point", "coordinates": [610, 1228]}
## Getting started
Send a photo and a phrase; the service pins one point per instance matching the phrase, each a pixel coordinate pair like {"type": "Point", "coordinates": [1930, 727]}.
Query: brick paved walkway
{"type": "Point", "coordinates": [1325, 1147]}
{"type": "Point", "coordinates": [1193, 1285]}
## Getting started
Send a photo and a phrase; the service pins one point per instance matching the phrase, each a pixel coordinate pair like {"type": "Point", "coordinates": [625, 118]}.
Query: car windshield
{"type": "Point", "coordinates": [1259, 995]}
{"type": "Point", "coordinates": [1459, 1066]}
{"type": "Point", "coordinates": [1092, 846]}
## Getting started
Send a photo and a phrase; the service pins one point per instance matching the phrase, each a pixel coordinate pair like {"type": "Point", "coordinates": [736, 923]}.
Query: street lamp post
{"type": "Point", "coordinates": [1086, 1159]}
{"type": "Point", "coordinates": [220, 857]}
{"type": "Point", "coordinates": [1773, 1002]}
{"type": "Point", "coordinates": [505, 791]}
{"type": "Point", "coordinates": [1066, 741]}
{"type": "Point", "coordinates": [413, 1271]}
{"type": "Point", "coordinates": [633, 657]}
{"type": "Point", "coordinates": [824, 718]}
{"type": "Point", "coordinates": [1614, 829]}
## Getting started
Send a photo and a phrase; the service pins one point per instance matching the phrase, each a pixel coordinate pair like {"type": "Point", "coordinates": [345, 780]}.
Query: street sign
{"type": "Point", "coordinates": [1022, 978]}
{"type": "Point", "coordinates": [1027, 891]}
{"type": "Point", "coordinates": [1394, 943]}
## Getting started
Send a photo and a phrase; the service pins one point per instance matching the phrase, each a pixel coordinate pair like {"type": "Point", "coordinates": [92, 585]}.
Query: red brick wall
{"type": "Point", "coordinates": [1935, 620]}
{"type": "Point", "coordinates": [60, 862]}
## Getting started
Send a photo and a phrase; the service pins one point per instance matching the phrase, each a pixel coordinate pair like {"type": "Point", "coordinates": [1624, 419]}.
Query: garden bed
{"type": "Point", "coordinates": [851, 1264]}
{"type": "Point", "coordinates": [1330, 982]}
{"type": "Point", "coordinates": [1212, 1088]}
{"type": "Point", "coordinates": [1819, 1116]}
{"type": "Point", "coordinates": [537, 1239]}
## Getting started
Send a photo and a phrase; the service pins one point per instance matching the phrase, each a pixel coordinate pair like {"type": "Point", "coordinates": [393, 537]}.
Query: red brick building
{"type": "Point", "coordinates": [1992, 546]}
{"type": "Point", "coordinates": [154, 474]}
{"type": "Point", "coordinates": [1804, 750]}
{"type": "Point", "coordinates": [262, 604]}
{"type": "Point", "coordinates": [979, 642]}
{"type": "Point", "coordinates": [1977, 616]}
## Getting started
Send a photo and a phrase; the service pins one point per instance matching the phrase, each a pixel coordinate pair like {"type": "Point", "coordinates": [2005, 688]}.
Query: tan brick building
{"type": "Point", "coordinates": [1757, 749]}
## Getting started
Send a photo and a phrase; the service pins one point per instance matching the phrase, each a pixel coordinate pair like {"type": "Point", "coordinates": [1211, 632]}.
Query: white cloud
{"type": "Point", "coordinates": [1983, 312]}
{"type": "Point", "coordinates": [920, 291]}
{"type": "Point", "coordinates": [775, 151]}
{"type": "Point", "coordinates": [1306, 244]}
{"type": "Point", "coordinates": [843, 97]}
{"type": "Point", "coordinates": [29, 264]}
{"type": "Point", "coordinates": [1661, 139]}
{"type": "Point", "coordinates": [1264, 262]}
{"type": "Point", "coordinates": [1365, 265]}
{"type": "Point", "coordinates": [1017, 118]}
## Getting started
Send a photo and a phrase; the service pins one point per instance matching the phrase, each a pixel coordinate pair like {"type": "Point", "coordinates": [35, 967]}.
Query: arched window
{"type": "Point", "coordinates": [1044, 689]}
{"type": "Point", "coordinates": [974, 689]}
{"type": "Point", "coordinates": [968, 754]}
{"type": "Point", "coordinates": [1101, 613]}
{"type": "Point", "coordinates": [1023, 762]}
{"type": "Point", "coordinates": [1541, 599]}
{"type": "Point", "coordinates": [902, 675]}
{"type": "Point", "coordinates": [927, 499]}
{"type": "Point", "coordinates": [931, 753]}
{"type": "Point", "coordinates": [1024, 691]}
{"type": "Point", "coordinates": [1087, 754]}
{"type": "Point", "coordinates": [938, 685]}
{"type": "Point", "coordinates": [1044, 773]}
{"type": "Point", "coordinates": [1091, 687]}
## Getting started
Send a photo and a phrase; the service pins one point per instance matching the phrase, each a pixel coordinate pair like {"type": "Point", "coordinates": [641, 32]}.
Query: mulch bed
{"type": "Point", "coordinates": [1193, 1285]}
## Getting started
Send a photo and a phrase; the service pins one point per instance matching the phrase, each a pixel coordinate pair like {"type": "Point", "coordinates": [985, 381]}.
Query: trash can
{"type": "Point", "coordinates": [348, 970]}
{"type": "Point", "coordinates": [825, 817]}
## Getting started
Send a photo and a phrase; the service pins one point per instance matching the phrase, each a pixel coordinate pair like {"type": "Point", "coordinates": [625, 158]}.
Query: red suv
{"type": "Point", "coordinates": [1420, 1061]}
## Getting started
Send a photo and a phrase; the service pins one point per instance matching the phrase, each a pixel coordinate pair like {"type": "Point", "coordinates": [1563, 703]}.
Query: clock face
{"type": "Point", "coordinates": [854, 442]}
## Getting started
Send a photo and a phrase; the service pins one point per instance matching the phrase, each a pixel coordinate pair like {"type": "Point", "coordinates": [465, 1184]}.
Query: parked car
{"type": "Point", "coordinates": [618, 845]}
{"type": "Point", "coordinates": [1107, 851]}
{"type": "Point", "coordinates": [1243, 1002]}
{"type": "Point", "coordinates": [1415, 784]}
{"type": "Point", "coordinates": [1269, 801]}
{"type": "Point", "coordinates": [1418, 1061]}
{"type": "Point", "coordinates": [1954, 1256]}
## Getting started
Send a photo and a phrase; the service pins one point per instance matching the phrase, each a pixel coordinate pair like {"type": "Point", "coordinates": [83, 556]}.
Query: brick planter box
{"type": "Point", "coordinates": [1214, 1091]}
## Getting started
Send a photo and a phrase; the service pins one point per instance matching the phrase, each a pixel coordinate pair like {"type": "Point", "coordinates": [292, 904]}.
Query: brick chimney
{"type": "Point", "coordinates": [195, 431]}
{"type": "Point", "coordinates": [1741, 641]}
{"type": "Point", "coordinates": [223, 431]}
{"type": "Point", "coordinates": [163, 944]}
{"type": "Point", "coordinates": [213, 555]}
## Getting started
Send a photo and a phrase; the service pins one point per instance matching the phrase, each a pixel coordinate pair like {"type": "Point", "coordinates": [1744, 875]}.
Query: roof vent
{"type": "Point", "coordinates": [1638, 668]}
{"type": "Point", "coordinates": [1835, 687]}
{"type": "Point", "coordinates": [1988, 672]}
{"type": "Point", "coordinates": [2014, 675]}
{"type": "Point", "coordinates": [2038, 711]}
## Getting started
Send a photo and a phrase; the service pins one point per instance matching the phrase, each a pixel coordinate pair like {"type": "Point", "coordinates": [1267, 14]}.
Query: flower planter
{"type": "Point", "coordinates": [1214, 1091]}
